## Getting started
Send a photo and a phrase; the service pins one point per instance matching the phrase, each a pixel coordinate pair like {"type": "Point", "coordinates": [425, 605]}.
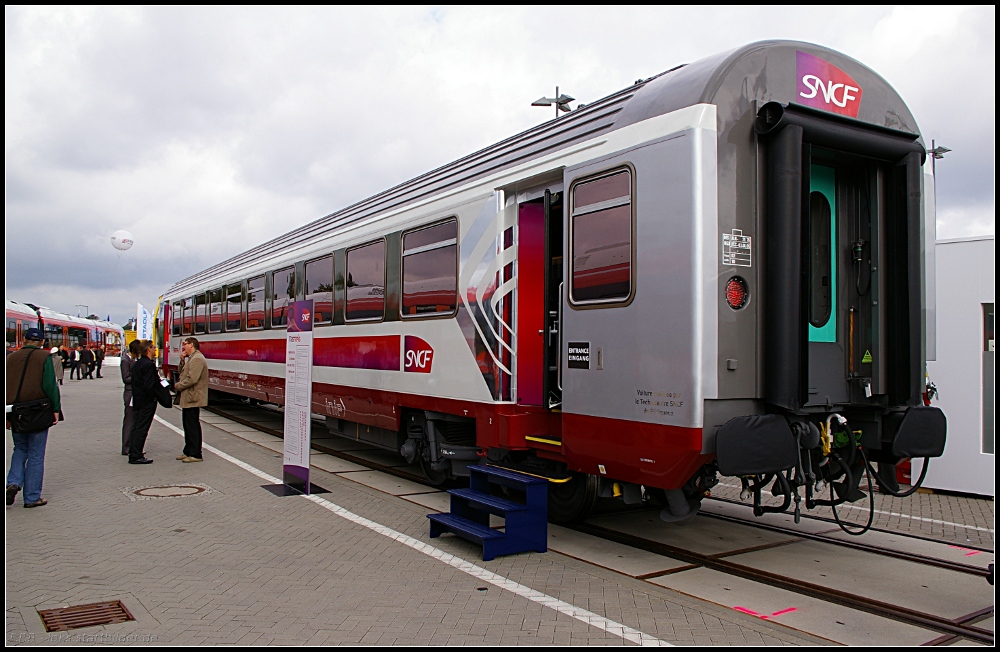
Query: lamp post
{"type": "Point", "coordinates": [561, 102]}
{"type": "Point", "coordinates": [936, 152]}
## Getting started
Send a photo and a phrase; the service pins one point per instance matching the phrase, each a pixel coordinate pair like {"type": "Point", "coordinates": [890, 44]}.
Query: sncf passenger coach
{"type": "Point", "coordinates": [720, 269]}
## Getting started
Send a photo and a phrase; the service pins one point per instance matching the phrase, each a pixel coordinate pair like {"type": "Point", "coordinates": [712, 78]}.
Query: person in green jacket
{"type": "Point", "coordinates": [30, 376]}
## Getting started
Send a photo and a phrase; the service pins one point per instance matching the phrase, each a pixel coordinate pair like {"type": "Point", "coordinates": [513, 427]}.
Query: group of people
{"type": "Point", "coordinates": [144, 389]}
{"type": "Point", "coordinates": [32, 381]}
{"type": "Point", "coordinates": [82, 361]}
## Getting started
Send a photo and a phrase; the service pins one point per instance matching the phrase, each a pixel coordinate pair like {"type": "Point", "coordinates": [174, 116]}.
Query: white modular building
{"type": "Point", "coordinates": [964, 371]}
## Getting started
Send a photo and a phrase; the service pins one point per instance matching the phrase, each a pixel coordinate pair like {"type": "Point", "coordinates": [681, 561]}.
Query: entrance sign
{"type": "Point", "coordinates": [298, 395]}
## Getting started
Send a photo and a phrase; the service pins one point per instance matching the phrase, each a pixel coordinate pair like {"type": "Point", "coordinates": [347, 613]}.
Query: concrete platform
{"type": "Point", "coordinates": [236, 565]}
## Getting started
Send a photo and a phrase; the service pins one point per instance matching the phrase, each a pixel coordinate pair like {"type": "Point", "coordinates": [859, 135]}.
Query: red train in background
{"type": "Point", "coordinates": [61, 329]}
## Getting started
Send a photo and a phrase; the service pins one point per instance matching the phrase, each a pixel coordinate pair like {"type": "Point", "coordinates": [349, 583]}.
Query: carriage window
{"type": "Point", "coordinates": [319, 288]}
{"type": "Point", "coordinates": [282, 295]}
{"type": "Point", "coordinates": [176, 319]}
{"type": "Point", "coordinates": [430, 270]}
{"type": "Point", "coordinates": [255, 303]}
{"type": "Point", "coordinates": [189, 316]}
{"type": "Point", "coordinates": [76, 336]}
{"type": "Point", "coordinates": [215, 311]}
{"type": "Point", "coordinates": [201, 314]}
{"type": "Point", "coordinates": [366, 282]}
{"type": "Point", "coordinates": [819, 259]}
{"type": "Point", "coordinates": [234, 307]}
{"type": "Point", "coordinates": [602, 239]}
{"type": "Point", "coordinates": [821, 225]}
{"type": "Point", "coordinates": [54, 335]}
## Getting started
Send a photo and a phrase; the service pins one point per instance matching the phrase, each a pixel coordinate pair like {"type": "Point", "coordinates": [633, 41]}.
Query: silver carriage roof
{"type": "Point", "coordinates": [738, 82]}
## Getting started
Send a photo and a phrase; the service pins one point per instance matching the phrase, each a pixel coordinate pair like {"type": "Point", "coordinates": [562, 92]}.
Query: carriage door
{"type": "Point", "coordinates": [841, 238]}
{"type": "Point", "coordinates": [539, 255]}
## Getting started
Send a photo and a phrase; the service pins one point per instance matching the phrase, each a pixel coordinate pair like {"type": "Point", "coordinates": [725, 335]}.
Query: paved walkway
{"type": "Point", "coordinates": [236, 564]}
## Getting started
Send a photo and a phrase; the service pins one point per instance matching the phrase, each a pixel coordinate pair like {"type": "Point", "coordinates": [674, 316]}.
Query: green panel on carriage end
{"type": "Point", "coordinates": [823, 180]}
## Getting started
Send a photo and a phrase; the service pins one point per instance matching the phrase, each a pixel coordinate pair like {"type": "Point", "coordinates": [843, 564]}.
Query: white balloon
{"type": "Point", "coordinates": [122, 240]}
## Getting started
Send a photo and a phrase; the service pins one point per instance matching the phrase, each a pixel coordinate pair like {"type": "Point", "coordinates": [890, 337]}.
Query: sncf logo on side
{"type": "Point", "coordinates": [823, 85]}
{"type": "Point", "coordinates": [418, 355]}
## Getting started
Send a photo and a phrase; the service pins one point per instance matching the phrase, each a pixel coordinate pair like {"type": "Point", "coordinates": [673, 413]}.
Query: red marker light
{"type": "Point", "coordinates": [737, 293]}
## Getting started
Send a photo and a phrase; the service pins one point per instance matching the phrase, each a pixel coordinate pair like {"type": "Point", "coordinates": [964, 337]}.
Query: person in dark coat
{"type": "Point", "coordinates": [128, 360]}
{"type": "Point", "coordinates": [99, 359]}
{"type": "Point", "coordinates": [148, 389]}
{"type": "Point", "coordinates": [86, 363]}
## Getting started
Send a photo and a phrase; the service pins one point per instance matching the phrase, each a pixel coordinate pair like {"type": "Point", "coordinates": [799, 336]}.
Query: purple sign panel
{"type": "Point", "coordinates": [298, 394]}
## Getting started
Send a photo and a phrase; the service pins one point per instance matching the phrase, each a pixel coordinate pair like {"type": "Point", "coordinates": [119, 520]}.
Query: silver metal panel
{"type": "Point", "coordinates": [653, 350]}
{"type": "Point", "coordinates": [708, 236]}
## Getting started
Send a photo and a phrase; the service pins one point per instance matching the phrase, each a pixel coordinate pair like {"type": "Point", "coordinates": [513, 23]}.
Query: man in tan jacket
{"type": "Point", "coordinates": [193, 388]}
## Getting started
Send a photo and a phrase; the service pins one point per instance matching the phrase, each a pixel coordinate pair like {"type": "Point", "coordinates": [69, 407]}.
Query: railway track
{"type": "Point", "coordinates": [951, 629]}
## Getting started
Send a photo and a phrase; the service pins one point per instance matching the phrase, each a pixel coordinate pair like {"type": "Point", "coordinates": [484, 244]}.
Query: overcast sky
{"type": "Point", "coordinates": [204, 132]}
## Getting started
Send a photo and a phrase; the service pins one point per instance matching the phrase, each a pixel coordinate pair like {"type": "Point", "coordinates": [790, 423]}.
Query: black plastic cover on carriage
{"type": "Point", "coordinates": [755, 445]}
{"type": "Point", "coordinates": [921, 433]}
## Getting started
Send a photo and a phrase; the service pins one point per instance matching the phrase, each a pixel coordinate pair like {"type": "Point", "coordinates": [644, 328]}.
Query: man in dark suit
{"type": "Point", "coordinates": [99, 359]}
{"type": "Point", "coordinates": [86, 363]}
{"type": "Point", "coordinates": [128, 361]}
{"type": "Point", "coordinates": [148, 389]}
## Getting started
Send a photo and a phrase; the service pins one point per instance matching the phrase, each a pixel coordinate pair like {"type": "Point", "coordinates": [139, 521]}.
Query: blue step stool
{"type": "Point", "coordinates": [525, 523]}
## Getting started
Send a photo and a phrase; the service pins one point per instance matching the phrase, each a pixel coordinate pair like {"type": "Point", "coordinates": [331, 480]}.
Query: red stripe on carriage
{"type": "Point", "coordinates": [380, 353]}
{"type": "Point", "coordinates": [255, 350]}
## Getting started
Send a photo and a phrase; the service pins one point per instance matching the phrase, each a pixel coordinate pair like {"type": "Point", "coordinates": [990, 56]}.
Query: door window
{"type": "Point", "coordinates": [822, 262]}
{"type": "Point", "coordinates": [601, 229]}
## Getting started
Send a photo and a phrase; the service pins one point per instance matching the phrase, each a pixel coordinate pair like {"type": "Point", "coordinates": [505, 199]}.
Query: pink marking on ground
{"type": "Point", "coordinates": [968, 552]}
{"type": "Point", "coordinates": [764, 617]}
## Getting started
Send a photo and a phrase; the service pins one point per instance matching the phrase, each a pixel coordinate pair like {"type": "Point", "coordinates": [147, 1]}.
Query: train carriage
{"type": "Point", "coordinates": [720, 269]}
{"type": "Point", "coordinates": [20, 317]}
{"type": "Point", "coordinates": [61, 329]}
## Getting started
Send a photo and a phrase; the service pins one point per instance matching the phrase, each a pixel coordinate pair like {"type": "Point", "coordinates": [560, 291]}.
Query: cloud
{"type": "Point", "coordinates": [206, 131]}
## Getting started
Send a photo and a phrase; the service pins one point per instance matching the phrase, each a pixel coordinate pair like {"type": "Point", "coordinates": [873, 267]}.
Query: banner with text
{"type": "Point", "coordinates": [298, 394]}
{"type": "Point", "coordinates": [143, 323]}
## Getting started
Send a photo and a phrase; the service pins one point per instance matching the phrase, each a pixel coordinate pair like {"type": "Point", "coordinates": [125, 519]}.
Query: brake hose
{"type": "Point", "coordinates": [871, 505]}
{"type": "Point", "coordinates": [886, 489]}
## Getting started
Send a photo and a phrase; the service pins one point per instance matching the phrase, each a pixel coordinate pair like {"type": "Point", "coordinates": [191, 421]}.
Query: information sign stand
{"type": "Point", "coordinates": [298, 401]}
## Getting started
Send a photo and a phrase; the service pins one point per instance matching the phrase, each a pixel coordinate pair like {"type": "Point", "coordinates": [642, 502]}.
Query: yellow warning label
{"type": "Point", "coordinates": [867, 359]}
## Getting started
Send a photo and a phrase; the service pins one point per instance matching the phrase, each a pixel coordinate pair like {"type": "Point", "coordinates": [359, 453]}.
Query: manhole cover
{"type": "Point", "coordinates": [169, 492]}
{"type": "Point", "coordinates": [84, 615]}
{"type": "Point", "coordinates": [166, 491]}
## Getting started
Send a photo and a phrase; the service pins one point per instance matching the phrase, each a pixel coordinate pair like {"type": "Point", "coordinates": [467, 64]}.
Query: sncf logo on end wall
{"type": "Point", "coordinates": [418, 355]}
{"type": "Point", "coordinates": [823, 85]}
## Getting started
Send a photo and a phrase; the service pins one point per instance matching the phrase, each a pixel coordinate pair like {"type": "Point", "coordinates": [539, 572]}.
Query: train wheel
{"type": "Point", "coordinates": [573, 500]}
{"type": "Point", "coordinates": [436, 478]}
